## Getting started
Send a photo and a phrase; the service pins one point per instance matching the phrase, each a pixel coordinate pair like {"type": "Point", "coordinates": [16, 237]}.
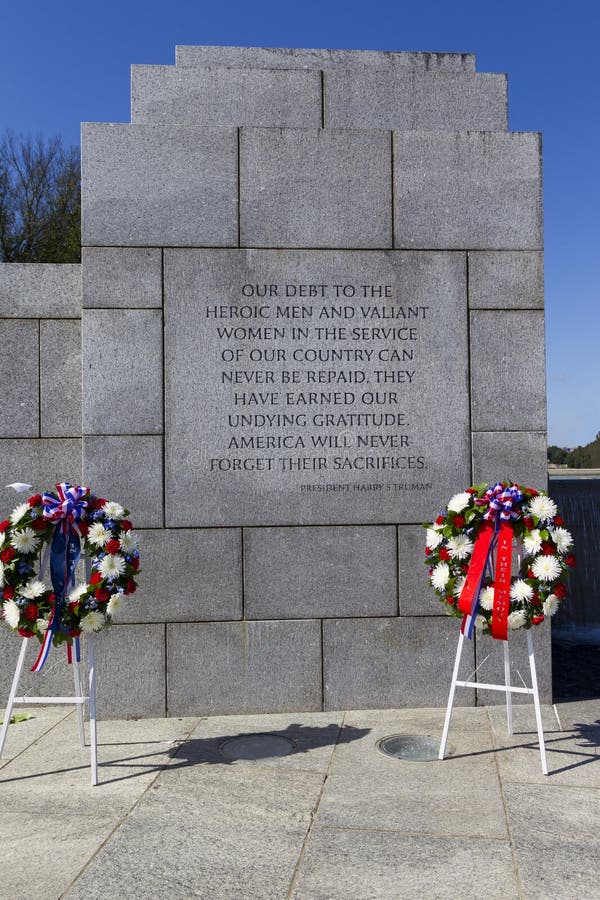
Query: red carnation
{"type": "Point", "coordinates": [569, 559]}
{"type": "Point", "coordinates": [130, 587]}
{"type": "Point", "coordinates": [528, 523]}
{"type": "Point", "coordinates": [548, 548]}
{"type": "Point", "coordinates": [4, 525]}
{"type": "Point", "coordinates": [75, 632]}
{"type": "Point", "coordinates": [560, 591]}
{"type": "Point", "coordinates": [31, 612]}
{"type": "Point", "coordinates": [126, 525]}
{"type": "Point", "coordinates": [96, 578]}
{"type": "Point", "coordinates": [39, 524]}
{"type": "Point", "coordinates": [36, 500]}
{"type": "Point", "coordinates": [530, 573]}
{"type": "Point", "coordinates": [558, 520]}
{"type": "Point", "coordinates": [135, 563]}
{"type": "Point", "coordinates": [438, 521]}
{"type": "Point", "coordinates": [428, 551]}
{"type": "Point", "coordinates": [444, 553]}
{"type": "Point", "coordinates": [464, 568]}
{"type": "Point", "coordinates": [113, 546]}
{"type": "Point", "coordinates": [537, 619]}
{"type": "Point", "coordinates": [96, 503]}
{"type": "Point", "coordinates": [51, 599]}
{"type": "Point", "coordinates": [532, 492]}
{"type": "Point", "coordinates": [7, 555]}
{"type": "Point", "coordinates": [102, 594]}
{"type": "Point", "coordinates": [449, 599]}
{"type": "Point", "coordinates": [83, 528]}
{"type": "Point", "coordinates": [8, 592]}
{"type": "Point", "coordinates": [459, 521]}
{"type": "Point", "coordinates": [471, 491]}
{"type": "Point", "coordinates": [25, 632]}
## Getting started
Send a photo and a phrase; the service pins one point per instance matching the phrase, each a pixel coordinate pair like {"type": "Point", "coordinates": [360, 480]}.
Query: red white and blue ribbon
{"type": "Point", "coordinates": [495, 533]}
{"type": "Point", "coordinates": [66, 512]}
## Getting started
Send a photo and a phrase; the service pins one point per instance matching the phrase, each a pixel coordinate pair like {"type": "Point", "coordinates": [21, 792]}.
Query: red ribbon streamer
{"type": "Point", "coordinates": [468, 597]}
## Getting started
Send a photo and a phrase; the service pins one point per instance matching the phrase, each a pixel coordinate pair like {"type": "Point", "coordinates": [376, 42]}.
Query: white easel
{"type": "Point", "coordinates": [78, 700]}
{"type": "Point", "coordinates": [507, 687]}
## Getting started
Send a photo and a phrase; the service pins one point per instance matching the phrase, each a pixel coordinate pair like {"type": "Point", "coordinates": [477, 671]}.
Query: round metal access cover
{"type": "Point", "coordinates": [256, 746]}
{"type": "Point", "coordinates": [415, 747]}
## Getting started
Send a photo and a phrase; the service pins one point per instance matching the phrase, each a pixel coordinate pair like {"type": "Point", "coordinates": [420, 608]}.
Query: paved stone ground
{"type": "Point", "coordinates": [174, 818]}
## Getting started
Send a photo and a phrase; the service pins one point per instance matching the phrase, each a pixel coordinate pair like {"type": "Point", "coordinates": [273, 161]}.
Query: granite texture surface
{"type": "Point", "coordinates": [35, 290]}
{"type": "Point", "coordinates": [217, 95]}
{"type": "Point", "coordinates": [519, 455]}
{"type": "Point", "coordinates": [509, 279]}
{"type": "Point", "coordinates": [128, 469]}
{"type": "Point", "coordinates": [60, 377]}
{"type": "Point", "coordinates": [475, 190]}
{"type": "Point", "coordinates": [20, 409]}
{"type": "Point", "coordinates": [114, 277]}
{"type": "Point", "coordinates": [159, 185]}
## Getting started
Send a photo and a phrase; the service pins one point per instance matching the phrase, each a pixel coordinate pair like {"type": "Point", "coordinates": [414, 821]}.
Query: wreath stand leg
{"type": "Point", "coordinates": [78, 700]}
{"type": "Point", "coordinates": [509, 690]}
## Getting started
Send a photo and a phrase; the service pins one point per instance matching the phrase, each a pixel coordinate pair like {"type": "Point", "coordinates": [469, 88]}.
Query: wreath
{"type": "Point", "coordinates": [50, 531]}
{"type": "Point", "coordinates": [476, 530]}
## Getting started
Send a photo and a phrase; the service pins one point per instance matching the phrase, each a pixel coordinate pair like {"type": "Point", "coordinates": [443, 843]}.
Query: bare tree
{"type": "Point", "coordinates": [40, 200]}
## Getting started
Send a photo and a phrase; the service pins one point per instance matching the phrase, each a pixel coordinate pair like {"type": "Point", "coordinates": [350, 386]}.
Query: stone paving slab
{"type": "Point", "coordinates": [333, 819]}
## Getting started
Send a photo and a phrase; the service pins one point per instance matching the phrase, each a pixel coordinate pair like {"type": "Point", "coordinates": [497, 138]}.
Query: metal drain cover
{"type": "Point", "coordinates": [256, 746]}
{"type": "Point", "coordinates": [415, 747]}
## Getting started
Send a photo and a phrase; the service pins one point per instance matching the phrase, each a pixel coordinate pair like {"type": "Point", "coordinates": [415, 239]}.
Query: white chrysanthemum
{"type": "Point", "coordinates": [113, 604]}
{"type": "Point", "coordinates": [112, 566]}
{"type": "Point", "coordinates": [550, 604]}
{"type": "Point", "coordinates": [486, 597]}
{"type": "Point", "coordinates": [546, 568]}
{"type": "Point", "coordinates": [480, 622]}
{"type": "Point", "coordinates": [440, 576]}
{"type": "Point", "coordinates": [543, 507]}
{"type": "Point", "coordinates": [25, 541]}
{"type": "Point", "coordinates": [93, 621]}
{"type": "Point", "coordinates": [458, 502]}
{"type": "Point", "coordinates": [562, 538]}
{"type": "Point", "coordinates": [459, 585]}
{"type": "Point", "coordinates": [460, 547]}
{"type": "Point", "coordinates": [434, 539]}
{"type": "Point", "coordinates": [516, 619]}
{"type": "Point", "coordinates": [11, 613]}
{"type": "Point", "coordinates": [42, 625]}
{"type": "Point", "coordinates": [520, 590]}
{"type": "Point", "coordinates": [33, 589]}
{"type": "Point", "coordinates": [98, 535]}
{"type": "Point", "coordinates": [532, 544]}
{"type": "Point", "coordinates": [77, 593]}
{"type": "Point", "coordinates": [129, 541]}
{"type": "Point", "coordinates": [18, 513]}
{"type": "Point", "coordinates": [113, 510]}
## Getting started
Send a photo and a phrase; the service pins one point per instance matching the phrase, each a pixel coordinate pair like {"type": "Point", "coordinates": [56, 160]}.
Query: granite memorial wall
{"type": "Point", "coordinates": [311, 311]}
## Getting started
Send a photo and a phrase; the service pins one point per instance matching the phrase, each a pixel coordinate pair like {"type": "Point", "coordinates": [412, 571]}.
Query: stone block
{"type": "Point", "coordinates": [292, 573]}
{"type": "Point", "coordinates": [330, 471]}
{"type": "Point", "coordinates": [295, 58]}
{"type": "Point", "coordinates": [36, 290]}
{"type": "Point", "coordinates": [130, 671]}
{"type": "Point", "coordinates": [508, 370]}
{"type": "Point", "coordinates": [516, 455]}
{"type": "Point", "coordinates": [476, 190]}
{"type": "Point", "coordinates": [379, 663]}
{"type": "Point", "coordinates": [60, 377]}
{"type": "Point", "coordinates": [250, 667]}
{"type": "Point", "coordinates": [414, 102]}
{"type": "Point", "coordinates": [122, 387]}
{"type": "Point", "coordinates": [20, 409]}
{"type": "Point", "coordinates": [492, 670]}
{"type": "Point", "coordinates": [122, 277]}
{"type": "Point", "coordinates": [267, 98]}
{"type": "Point", "coordinates": [310, 188]}
{"type": "Point", "coordinates": [508, 279]}
{"type": "Point", "coordinates": [41, 463]}
{"type": "Point", "coordinates": [127, 469]}
{"type": "Point", "coordinates": [187, 576]}
{"type": "Point", "coordinates": [160, 185]}
{"type": "Point", "coordinates": [416, 595]}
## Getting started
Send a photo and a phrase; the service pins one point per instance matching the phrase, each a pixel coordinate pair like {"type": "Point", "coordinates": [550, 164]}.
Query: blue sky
{"type": "Point", "coordinates": [67, 62]}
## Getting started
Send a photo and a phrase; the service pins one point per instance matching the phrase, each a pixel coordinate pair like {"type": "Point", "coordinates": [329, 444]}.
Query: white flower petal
{"type": "Point", "coordinates": [11, 613]}
{"type": "Point", "coordinates": [542, 507]}
{"type": "Point", "coordinates": [520, 590]}
{"type": "Point", "coordinates": [458, 502]}
{"type": "Point", "coordinates": [486, 598]}
{"type": "Point", "coordinates": [460, 547]}
{"type": "Point", "coordinates": [433, 540]}
{"type": "Point", "coordinates": [546, 568]}
{"type": "Point", "coordinates": [25, 541]}
{"type": "Point", "coordinates": [18, 513]}
{"type": "Point", "coordinates": [550, 604]}
{"type": "Point", "coordinates": [92, 622]}
{"type": "Point", "coordinates": [517, 619]}
{"type": "Point", "coordinates": [440, 576]}
{"type": "Point", "coordinates": [112, 566]}
{"type": "Point", "coordinates": [113, 510]}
